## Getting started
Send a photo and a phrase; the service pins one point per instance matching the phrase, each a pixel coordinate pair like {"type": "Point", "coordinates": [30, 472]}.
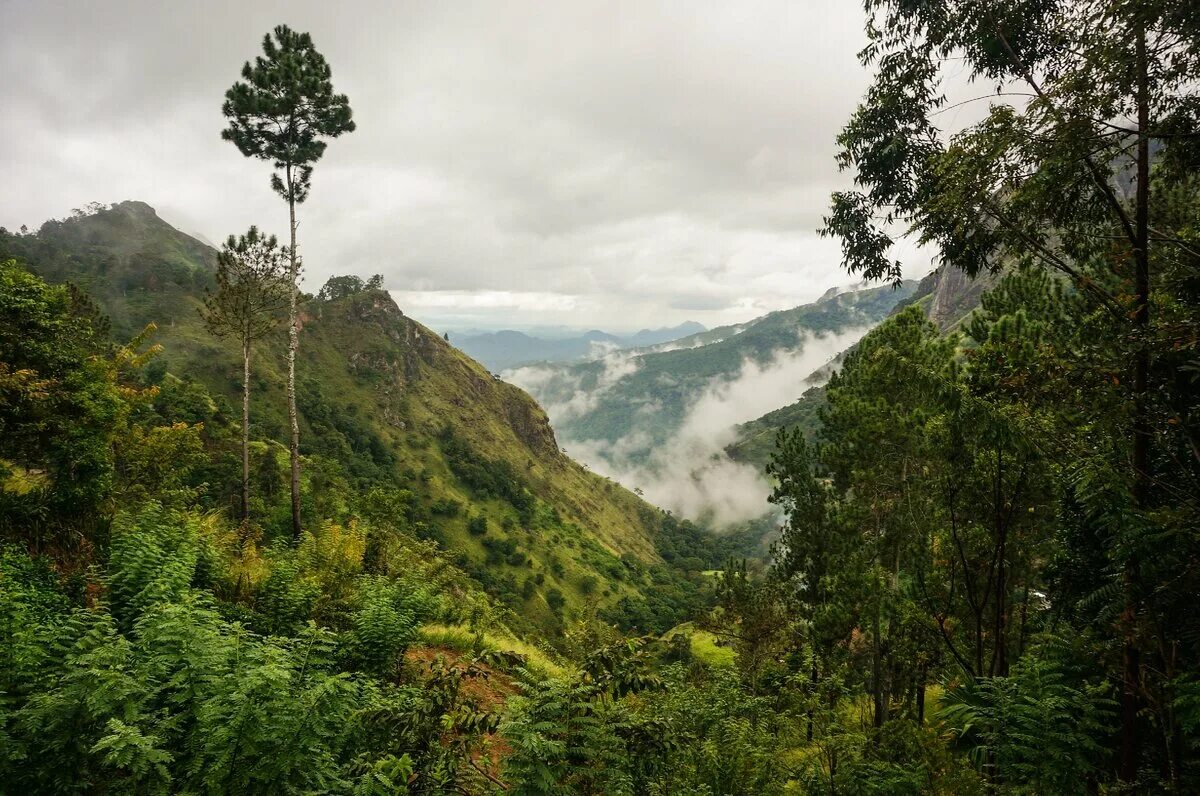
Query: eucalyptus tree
{"type": "Point", "coordinates": [1056, 174]}
{"type": "Point", "coordinates": [282, 111]}
{"type": "Point", "coordinates": [252, 293]}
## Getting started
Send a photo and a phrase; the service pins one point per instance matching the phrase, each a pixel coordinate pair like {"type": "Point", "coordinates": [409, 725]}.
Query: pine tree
{"type": "Point", "coordinates": [251, 293]}
{"type": "Point", "coordinates": [281, 111]}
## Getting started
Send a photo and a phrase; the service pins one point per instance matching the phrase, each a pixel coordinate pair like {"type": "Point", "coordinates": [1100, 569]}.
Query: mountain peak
{"type": "Point", "coordinates": [135, 207]}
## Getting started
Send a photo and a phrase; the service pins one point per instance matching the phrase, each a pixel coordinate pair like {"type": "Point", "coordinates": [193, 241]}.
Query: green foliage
{"type": "Point", "coordinates": [569, 735]}
{"type": "Point", "coordinates": [283, 107]}
{"type": "Point", "coordinates": [252, 288]}
{"type": "Point", "coordinates": [385, 623]}
{"type": "Point", "coordinates": [59, 400]}
{"type": "Point", "coordinates": [487, 477]}
{"type": "Point", "coordinates": [563, 742]}
{"type": "Point", "coordinates": [152, 559]}
{"type": "Point", "coordinates": [340, 287]}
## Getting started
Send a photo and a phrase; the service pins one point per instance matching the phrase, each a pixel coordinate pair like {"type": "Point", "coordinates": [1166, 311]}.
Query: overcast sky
{"type": "Point", "coordinates": [604, 164]}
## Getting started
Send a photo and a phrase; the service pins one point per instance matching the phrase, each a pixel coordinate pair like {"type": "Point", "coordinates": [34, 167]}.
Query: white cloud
{"type": "Point", "coordinates": [561, 391]}
{"type": "Point", "coordinates": [690, 473]}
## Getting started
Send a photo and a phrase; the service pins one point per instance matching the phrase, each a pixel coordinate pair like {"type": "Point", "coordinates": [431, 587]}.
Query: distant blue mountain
{"type": "Point", "coordinates": [508, 349]}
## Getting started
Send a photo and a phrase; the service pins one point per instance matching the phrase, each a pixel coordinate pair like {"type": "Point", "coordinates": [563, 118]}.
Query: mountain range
{"type": "Point", "coordinates": [508, 348]}
{"type": "Point", "coordinates": [659, 418]}
{"type": "Point", "coordinates": [947, 296]}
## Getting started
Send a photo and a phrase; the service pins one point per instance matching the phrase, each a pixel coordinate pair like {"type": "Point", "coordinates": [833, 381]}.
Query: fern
{"type": "Point", "coordinates": [1035, 727]}
{"type": "Point", "coordinates": [385, 623]}
{"type": "Point", "coordinates": [153, 559]}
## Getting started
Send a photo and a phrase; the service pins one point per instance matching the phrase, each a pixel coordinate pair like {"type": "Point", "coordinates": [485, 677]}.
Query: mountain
{"type": "Point", "coordinates": [947, 296]}
{"type": "Point", "coordinates": [649, 391]}
{"type": "Point", "coordinates": [396, 407]}
{"type": "Point", "coordinates": [658, 419]}
{"type": "Point", "coordinates": [649, 337]}
{"type": "Point", "coordinates": [507, 348]}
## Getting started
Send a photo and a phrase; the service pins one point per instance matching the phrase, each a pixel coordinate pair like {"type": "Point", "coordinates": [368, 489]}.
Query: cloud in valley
{"type": "Point", "coordinates": [690, 473]}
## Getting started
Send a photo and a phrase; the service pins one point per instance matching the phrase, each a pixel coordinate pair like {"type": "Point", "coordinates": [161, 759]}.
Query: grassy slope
{"type": "Point", "coordinates": [402, 382]}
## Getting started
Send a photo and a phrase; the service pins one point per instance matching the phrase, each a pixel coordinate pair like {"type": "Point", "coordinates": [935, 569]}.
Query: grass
{"type": "Point", "coordinates": [461, 638]}
{"type": "Point", "coordinates": [704, 645]}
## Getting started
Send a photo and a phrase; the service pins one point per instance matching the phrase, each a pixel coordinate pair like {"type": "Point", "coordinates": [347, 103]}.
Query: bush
{"type": "Point", "coordinates": [386, 622]}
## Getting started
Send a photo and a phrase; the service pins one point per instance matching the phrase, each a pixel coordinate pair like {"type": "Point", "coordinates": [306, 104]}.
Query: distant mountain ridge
{"type": "Point", "coordinates": [946, 296]}
{"type": "Point", "coordinates": [658, 418]}
{"type": "Point", "coordinates": [508, 348]}
{"type": "Point", "coordinates": [658, 384]}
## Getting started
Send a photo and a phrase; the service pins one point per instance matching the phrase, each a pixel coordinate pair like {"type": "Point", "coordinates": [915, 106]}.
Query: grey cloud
{"type": "Point", "coordinates": [698, 303]}
{"type": "Point", "coordinates": [657, 161]}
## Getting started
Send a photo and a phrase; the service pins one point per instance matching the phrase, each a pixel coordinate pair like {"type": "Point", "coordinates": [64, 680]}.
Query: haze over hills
{"type": "Point", "coordinates": [509, 348]}
{"type": "Point", "coordinates": [658, 420]}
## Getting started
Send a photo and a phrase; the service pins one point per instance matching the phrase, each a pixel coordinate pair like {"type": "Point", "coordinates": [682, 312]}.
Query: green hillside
{"type": "Point", "coordinates": [470, 461]}
{"type": "Point", "coordinates": [656, 387]}
{"type": "Point", "coordinates": [946, 297]}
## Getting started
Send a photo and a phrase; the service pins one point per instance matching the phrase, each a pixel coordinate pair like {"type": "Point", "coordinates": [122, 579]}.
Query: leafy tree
{"type": "Point", "coordinates": [281, 111]}
{"type": "Point", "coordinates": [1061, 180]}
{"type": "Point", "coordinates": [60, 402]}
{"type": "Point", "coordinates": [820, 560]}
{"type": "Point", "coordinates": [339, 287]}
{"type": "Point", "coordinates": [251, 292]}
{"type": "Point", "coordinates": [751, 618]}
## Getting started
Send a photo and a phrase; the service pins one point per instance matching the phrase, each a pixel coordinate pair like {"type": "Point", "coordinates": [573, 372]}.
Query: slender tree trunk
{"type": "Point", "coordinates": [921, 697]}
{"type": "Point", "coordinates": [999, 665]}
{"type": "Point", "coordinates": [293, 344]}
{"type": "Point", "coordinates": [245, 429]}
{"type": "Point", "coordinates": [1131, 664]}
{"type": "Point", "coordinates": [877, 663]}
{"type": "Point", "coordinates": [812, 678]}
{"type": "Point", "coordinates": [880, 704]}
{"type": "Point", "coordinates": [1024, 616]}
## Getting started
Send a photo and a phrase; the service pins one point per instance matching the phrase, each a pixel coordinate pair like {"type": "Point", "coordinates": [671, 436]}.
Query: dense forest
{"type": "Point", "coordinates": [259, 541]}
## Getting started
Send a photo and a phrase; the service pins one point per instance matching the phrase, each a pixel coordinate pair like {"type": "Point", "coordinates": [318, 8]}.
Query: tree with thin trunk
{"type": "Point", "coordinates": [252, 293]}
{"type": "Point", "coordinates": [1057, 175]}
{"type": "Point", "coordinates": [282, 111]}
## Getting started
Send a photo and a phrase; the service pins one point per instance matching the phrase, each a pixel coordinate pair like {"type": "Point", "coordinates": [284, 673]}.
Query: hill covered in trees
{"type": "Point", "coordinates": [947, 297]}
{"type": "Point", "coordinates": [650, 391]}
{"type": "Point", "coordinates": [387, 405]}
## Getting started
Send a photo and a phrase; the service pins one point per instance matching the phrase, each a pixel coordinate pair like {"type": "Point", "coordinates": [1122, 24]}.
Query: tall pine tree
{"type": "Point", "coordinates": [282, 111]}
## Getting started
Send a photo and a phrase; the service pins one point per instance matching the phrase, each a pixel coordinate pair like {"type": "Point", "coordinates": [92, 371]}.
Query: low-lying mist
{"type": "Point", "coordinates": [690, 473]}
